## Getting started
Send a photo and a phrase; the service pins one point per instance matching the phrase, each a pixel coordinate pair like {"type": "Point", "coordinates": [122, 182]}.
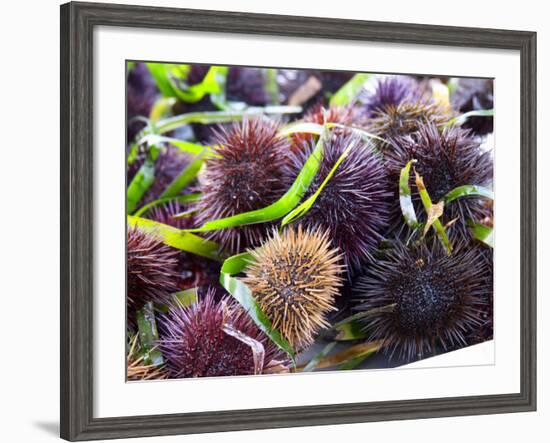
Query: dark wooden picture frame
{"type": "Point", "coordinates": [77, 24]}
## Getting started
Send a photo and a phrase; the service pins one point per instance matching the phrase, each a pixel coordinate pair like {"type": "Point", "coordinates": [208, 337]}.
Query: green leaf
{"type": "Point", "coordinates": [427, 202]}
{"type": "Point", "coordinates": [271, 86]}
{"type": "Point", "coordinates": [161, 108]}
{"type": "Point", "coordinates": [305, 206]}
{"type": "Point", "coordinates": [282, 206]}
{"type": "Point", "coordinates": [315, 360]}
{"type": "Point", "coordinates": [142, 181]}
{"type": "Point", "coordinates": [461, 119]}
{"type": "Point", "coordinates": [208, 117]}
{"type": "Point", "coordinates": [468, 190]}
{"type": "Point", "coordinates": [187, 198]}
{"type": "Point", "coordinates": [316, 129]}
{"type": "Point", "coordinates": [350, 328]}
{"type": "Point", "coordinates": [353, 330]}
{"type": "Point", "coordinates": [301, 127]}
{"type": "Point", "coordinates": [352, 353]}
{"type": "Point", "coordinates": [405, 199]}
{"type": "Point", "coordinates": [184, 178]}
{"type": "Point", "coordinates": [434, 212]}
{"type": "Point", "coordinates": [183, 146]}
{"type": "Point", "coordinates": [354, 362]}
{"type": "Point", "coordinates": [159, 72]}
{"type": "Point", "coordinates": [483, 233]}
{"type": "Point", "coordinates": [179, 239]}
{"type": "Point", "coordinates": [187, 297]}
{"type": "Point", "coordinates": [148, 335]}
{"type": "Point", "coordinates": [132, 155]}
{"type": "Point", "coordinates": [171, 80]}
{"type": "Point", "coordinates": [349, 91]}
{"type": "Point", "coordinates": [213, 83]}
{"type": "Point", "coordinates": [242, 293]}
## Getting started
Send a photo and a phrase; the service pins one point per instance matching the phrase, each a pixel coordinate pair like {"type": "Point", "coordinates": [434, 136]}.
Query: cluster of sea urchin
{"type": "Point", "coordinates": [445, 160]}
{"type": "Point", "coordinates": [213, 338]}
{"type": "Point", "coordinates": [421, 298]}
{"type": "Point", "coordinates": [353, 206]}
{"type": "Point", "coordinates": [152, 269]}
{"type": "Point", "coordinates": [295, 276]}
{"type": "Point", "coordinates": [246, 173]}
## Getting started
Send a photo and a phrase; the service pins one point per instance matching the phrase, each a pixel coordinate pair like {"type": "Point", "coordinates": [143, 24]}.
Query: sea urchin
{"type": "Point", "coordinates": [403, 119]}
{"type": "Point", "coordinates": [151, 269]}
{"type": "Point", "coordinates": [245, 174]}
{"type": "Point", "coordinates": [353, 206]}
{"type": "Point", "coordinates": [295, 276]}
{"type": "Point", "coordinates": [209, 339]}
{"type": "Point", "coordinates": [437, 299]}
{"type": "Point", "coordinates": [390, 92]}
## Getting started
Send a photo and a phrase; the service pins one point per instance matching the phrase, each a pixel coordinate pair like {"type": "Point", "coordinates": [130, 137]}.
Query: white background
{"type": "Point", "coordinates": [29, 223]}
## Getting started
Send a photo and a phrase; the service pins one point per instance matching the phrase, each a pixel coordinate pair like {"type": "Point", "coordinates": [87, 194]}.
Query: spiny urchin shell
{"type": "Point", "coordinates": [213, 338]}
{"type": "Point", "coordinates": [295, 276]}
{"type": "Point", "coordinates": [193, 270]}
{"type": "Point", "coordinates": [422, 299]}
{"type": "Point", "coordinates": [151, 269]}
{"type": "Point", "coordinates": [390, 92]}
{"type": "Point", "coordinates": [353, 206]}
{"type": "Point", "coordinates": [169, 214]}
{"type": "Point", "coordinates": [403, 119]}
{"type": "Point", "coordinates": [444, 160]}
{"type": "Point", "coordinates": [246, 173]}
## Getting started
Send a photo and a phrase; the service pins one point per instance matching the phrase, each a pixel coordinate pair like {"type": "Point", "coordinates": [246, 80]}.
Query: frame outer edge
{"type": "Point", "coordinates": [529, 218]}
{"type": "Point", "coordinates": [76, 354]}
{"type": "Point", "coordinates": [77, 22]}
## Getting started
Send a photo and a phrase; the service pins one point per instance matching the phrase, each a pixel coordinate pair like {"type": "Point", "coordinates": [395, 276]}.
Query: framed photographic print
{"type": "Point", "coordinates": [272, 221]}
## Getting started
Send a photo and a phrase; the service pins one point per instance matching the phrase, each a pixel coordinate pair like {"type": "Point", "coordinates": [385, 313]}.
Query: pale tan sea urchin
{"type": "Point", "coordinates": [295, 276]}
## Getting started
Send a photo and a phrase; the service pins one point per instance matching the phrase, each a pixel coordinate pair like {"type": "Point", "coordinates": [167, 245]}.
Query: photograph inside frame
{"type": "Point", "coordinates": [299, 220]}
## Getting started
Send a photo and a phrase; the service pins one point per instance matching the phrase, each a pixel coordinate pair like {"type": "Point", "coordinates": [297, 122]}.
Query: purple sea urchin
{"type": "Point", "coordinates": [437, 299]}
{"type": "Point", "coordinates": [246, 174]}
{"type": "Point", "coordinates": [445, 160]}
{"type": "Point", "coordinates": [353, 206]}
{"type": "Point", "coordinates": [166, 213]}
{"type": "Point", "coordinates": [151, 269]}
{"type": "Point", "coordinates": [403, 119]}
{"type": "Point", "coordinates": [390, 92]}
{"type": "Point", "coordinates": [209, 338]}
{"type": "Point", "coordinates": [295, 276]}
{"type": "Point", "coordinates": [193, 270]}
